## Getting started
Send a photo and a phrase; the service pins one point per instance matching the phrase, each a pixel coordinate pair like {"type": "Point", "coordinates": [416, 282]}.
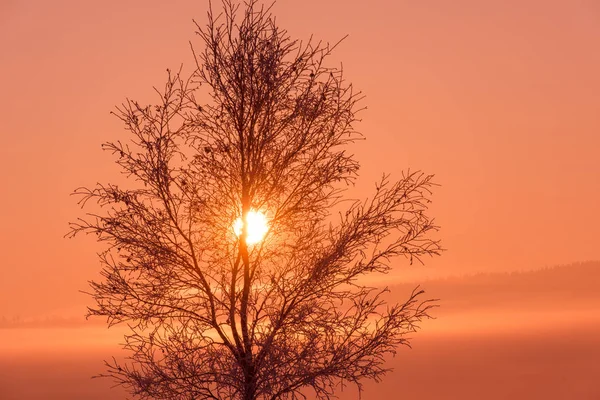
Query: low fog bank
{"type": "Point", "coordinates": [53, 375]}
{"type": "Point", "coordinates": [557, 364]}
{"type": "Point", "coordinates": [525, 335]}
{"type": "Point", "coordinates": [551, 365]}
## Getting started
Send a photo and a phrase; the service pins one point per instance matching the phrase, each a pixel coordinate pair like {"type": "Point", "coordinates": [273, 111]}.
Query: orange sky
{"type": "Point", "coordinates": [498, 99]}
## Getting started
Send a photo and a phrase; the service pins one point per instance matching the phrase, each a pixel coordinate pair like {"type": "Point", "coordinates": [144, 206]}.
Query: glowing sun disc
{"type": "Point", "coordinates": [256, 224]}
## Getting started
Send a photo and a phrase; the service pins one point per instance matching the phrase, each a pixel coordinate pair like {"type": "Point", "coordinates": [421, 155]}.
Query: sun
{"type": "Point", "coordinates": [257, 226]}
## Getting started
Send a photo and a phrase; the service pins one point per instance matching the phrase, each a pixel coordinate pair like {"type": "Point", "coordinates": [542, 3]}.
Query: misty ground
{"type": "Point", "coordinates": [560, 364]}
{"type": "Point", "coordinates": [499, 336]}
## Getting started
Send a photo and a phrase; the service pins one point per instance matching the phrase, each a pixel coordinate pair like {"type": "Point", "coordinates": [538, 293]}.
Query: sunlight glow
{"type": "Point", "coordinates": [257, 226]}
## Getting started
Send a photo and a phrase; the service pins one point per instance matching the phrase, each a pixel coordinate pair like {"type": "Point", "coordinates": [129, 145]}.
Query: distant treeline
{"type": "Point", "coordinates": [555, 288]}
{"type": "Point", "coordinates": [564, 286]}
{"type": "Point", "coordinates": [45, 322]}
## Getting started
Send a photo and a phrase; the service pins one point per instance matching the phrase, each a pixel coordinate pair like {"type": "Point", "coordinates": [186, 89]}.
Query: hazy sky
{"type": "Point", "coordinates": [500, 99]}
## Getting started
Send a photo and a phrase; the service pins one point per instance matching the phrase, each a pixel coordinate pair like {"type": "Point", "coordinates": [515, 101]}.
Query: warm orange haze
{"type": "Point", "coordinates": [498, 99]}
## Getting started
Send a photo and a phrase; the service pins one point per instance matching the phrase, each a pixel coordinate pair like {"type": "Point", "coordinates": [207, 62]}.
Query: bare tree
{"type": "Point", "coordinates": [211, 313]}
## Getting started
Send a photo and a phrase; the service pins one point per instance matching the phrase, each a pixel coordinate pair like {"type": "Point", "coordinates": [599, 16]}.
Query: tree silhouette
{"type": "Point", "coordinates": [210, 315]}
